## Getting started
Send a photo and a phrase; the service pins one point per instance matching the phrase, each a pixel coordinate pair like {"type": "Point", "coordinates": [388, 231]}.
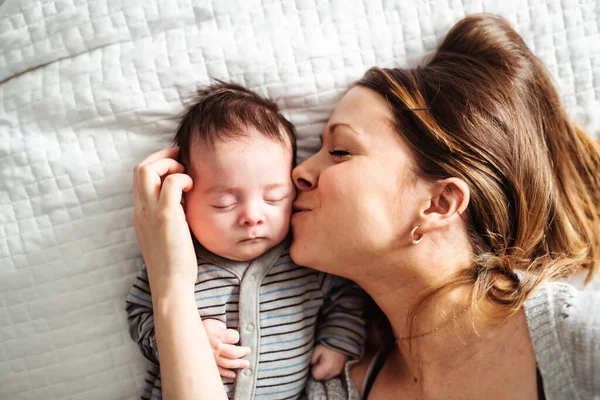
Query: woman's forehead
{"type": "Point", "coordinates": [363, 111]}
{"type": "Point", "coordinates": [361, 108]}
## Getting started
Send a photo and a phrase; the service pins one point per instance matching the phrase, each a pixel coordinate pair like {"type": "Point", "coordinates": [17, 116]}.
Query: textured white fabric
{"type": "Point", "coordinates": [88, 89]}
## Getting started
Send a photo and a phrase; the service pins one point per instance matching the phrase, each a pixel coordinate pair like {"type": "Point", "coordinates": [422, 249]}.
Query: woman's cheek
{"type": "Point", "coordinates": [339, 192]}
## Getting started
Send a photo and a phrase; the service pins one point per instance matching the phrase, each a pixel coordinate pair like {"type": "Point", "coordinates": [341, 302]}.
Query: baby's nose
{"type": "Point", "coordinates": [252, 216]}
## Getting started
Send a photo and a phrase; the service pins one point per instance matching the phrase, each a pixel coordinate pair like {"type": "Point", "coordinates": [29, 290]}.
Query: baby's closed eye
{"type": "Point", "coordinates": [224, 202]}
{"type": "Point", "coordinates": [276, 197]}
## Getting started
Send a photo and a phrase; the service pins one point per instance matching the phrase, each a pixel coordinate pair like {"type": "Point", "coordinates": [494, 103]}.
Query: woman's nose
{"type": "Point", "coordinates": [302, 183]}
{"type": "Point", "coordinates": [305, 175]}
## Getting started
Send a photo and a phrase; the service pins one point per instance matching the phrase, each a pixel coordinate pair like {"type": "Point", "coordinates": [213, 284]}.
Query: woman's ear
{"type": "Point", "coordinates": [449, 200]}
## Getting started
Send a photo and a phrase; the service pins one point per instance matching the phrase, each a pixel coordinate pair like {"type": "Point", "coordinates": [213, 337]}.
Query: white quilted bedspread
{"type": "Point", "coordinates": [89, 88]}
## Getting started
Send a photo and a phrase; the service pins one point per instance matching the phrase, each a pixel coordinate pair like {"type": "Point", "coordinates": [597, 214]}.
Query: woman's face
{"type": "Point", "coordinates": [358, 195]}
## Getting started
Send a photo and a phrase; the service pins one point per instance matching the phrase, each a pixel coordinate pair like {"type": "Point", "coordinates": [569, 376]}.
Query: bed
{"type": "Point", "coordinates": [89, 88]}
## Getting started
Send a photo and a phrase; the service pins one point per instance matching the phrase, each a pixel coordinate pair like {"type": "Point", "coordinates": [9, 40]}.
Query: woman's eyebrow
{"type": "Point", "coordinates": [332, 129]}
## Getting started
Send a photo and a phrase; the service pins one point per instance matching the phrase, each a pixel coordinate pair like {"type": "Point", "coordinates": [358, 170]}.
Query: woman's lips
{"type": "Point", "coordinates": [296, 208]}
{"type": "Point", "coordinates": [299, 213]}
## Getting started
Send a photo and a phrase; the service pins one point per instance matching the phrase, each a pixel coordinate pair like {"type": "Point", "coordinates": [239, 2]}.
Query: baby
{"type": "Point", "coordinates": [239, 151]}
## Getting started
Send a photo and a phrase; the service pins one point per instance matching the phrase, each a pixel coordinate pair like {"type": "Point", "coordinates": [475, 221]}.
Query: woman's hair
{"type": "Point", "coordinates": [484, 109]}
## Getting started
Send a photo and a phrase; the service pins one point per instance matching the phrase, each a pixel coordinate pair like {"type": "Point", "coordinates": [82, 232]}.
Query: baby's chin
{"type": "Point", "coordinates": [247, 250]}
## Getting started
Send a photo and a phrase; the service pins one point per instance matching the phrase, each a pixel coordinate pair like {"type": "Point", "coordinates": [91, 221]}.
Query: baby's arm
{"type": "Point", "coordinates": [140, 316]}
{"type": "Point", "coordinates": [341, 331]}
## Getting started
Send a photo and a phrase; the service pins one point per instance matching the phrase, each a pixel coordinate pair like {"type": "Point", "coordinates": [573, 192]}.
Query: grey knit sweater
{"type": "Point", "coordinates": [564, 325]}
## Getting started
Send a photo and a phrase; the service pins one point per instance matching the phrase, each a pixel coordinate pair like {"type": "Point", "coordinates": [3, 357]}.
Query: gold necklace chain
{"type": "Point", "coordinates": [434, 330]}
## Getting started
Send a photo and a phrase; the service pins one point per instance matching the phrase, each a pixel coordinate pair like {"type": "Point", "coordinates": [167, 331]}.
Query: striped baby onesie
{"type": "Point", "coordinates": [280, 310]}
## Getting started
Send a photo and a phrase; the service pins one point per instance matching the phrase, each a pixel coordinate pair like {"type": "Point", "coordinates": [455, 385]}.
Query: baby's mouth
{"type": "Point", "coordinates": [252, 239]}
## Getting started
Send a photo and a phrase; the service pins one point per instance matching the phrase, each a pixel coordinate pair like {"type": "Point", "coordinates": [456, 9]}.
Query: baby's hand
{"type": "Point", "coordinates": [327, 363]}
{"type": "Point", "coordinates": [223, 342]}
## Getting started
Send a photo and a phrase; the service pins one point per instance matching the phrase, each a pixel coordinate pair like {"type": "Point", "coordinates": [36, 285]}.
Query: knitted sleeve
{"type": "Point", "coordinates": [578, 326]}
{"type": "Point", "coordinates": [564, 325]}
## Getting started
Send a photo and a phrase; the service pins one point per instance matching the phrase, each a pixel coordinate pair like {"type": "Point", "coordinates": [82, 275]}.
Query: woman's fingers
{"type": "Point", "coordinates": [147, 179]}
{"type": "Point", "coordinates": [162, 167]}
{"type": "Point", "coordinates": [172, 189]}
{"type": "Point", "coordinates": [169, 152]}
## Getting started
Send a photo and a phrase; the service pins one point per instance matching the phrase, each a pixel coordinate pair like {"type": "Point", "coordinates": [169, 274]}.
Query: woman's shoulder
{"type": "Point", "coordinates": [564, 307]}
{"type": "Point", "coordinates": [564, 325]}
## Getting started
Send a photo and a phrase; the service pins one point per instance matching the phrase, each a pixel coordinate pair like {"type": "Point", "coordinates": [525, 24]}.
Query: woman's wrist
{"type": "Point", "coordinates": [169, 290]}
{"type": "Point", "coordinates": [190, 370]}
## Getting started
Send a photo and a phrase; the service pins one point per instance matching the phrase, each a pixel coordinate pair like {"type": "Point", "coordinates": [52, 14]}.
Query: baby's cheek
{"type": "Point", "coordinates": [281, 221]}
{"type": "Point", "coordinates": [204, 224]}
{"type": "Point", "coordinates": [286, 212]}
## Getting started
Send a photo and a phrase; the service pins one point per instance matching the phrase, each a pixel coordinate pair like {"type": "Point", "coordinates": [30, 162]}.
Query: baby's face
{"type": "Point", "coordinates": [241, 202]}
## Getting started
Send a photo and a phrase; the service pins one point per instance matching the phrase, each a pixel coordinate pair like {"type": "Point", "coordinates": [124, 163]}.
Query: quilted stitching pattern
{"type": "Point", "coordinates": [87, 89]}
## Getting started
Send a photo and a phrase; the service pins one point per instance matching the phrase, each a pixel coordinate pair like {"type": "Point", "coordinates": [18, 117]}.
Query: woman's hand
{"type": "Point", "coordinates": [188, 368]}
{"type": "Point", "coordinates": [159, 220]}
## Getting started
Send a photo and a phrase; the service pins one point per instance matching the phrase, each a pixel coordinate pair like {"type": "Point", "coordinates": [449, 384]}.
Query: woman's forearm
{"type": "Point", "coordinates": [187, 365]}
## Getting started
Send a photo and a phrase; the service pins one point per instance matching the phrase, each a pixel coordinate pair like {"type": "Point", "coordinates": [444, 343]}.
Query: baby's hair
{"type": "Point", "coordinates": [226, 111]}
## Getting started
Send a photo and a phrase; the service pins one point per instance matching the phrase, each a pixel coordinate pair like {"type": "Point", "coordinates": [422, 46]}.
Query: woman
{"type": "Point", "coordinates": [452, 193]}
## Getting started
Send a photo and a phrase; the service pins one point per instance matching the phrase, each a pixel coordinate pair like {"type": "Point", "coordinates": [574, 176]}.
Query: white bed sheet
{"type": "Point", "coordinates": [88, 89]}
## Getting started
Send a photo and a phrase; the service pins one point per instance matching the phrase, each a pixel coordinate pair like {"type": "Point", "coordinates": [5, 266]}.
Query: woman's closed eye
{"type": "Point", "coordinates": [339, 153]}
